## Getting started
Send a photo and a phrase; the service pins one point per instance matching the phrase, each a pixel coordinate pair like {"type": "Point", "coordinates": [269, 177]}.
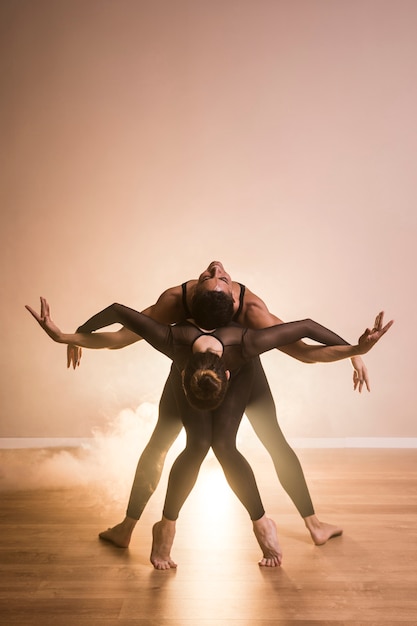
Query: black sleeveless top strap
{"type": "Point", "coordinates": [184, 300]}
{"type": "Point", "coordinates": [188, 312]}
{"type": "Point", "coordinates": [241, 296]}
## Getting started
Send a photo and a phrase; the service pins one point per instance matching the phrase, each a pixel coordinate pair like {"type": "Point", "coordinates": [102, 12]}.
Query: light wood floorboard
{"type": "Point", "coordinates": [55, 572]}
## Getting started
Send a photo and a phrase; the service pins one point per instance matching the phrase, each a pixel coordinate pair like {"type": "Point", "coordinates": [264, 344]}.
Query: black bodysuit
{"type": "Point", "coordinates": [216, 428]}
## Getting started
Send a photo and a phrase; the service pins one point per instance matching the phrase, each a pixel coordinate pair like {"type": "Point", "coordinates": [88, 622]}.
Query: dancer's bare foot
{"type": "Point", "coordinates": [120, 534]}
{"type": "Point", "coordinates": [266, 534]}
{"type": "Point", "coordinates": [163, 534]}
{"type": "Point", "coordinates": [320, 531]}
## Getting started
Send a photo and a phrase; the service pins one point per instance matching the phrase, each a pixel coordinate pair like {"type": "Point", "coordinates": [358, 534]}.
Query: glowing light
{"type": "Point", "coordinates": [212, 494]}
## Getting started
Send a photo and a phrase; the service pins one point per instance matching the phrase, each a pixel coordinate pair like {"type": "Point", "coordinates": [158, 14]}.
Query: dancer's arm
{"type": "Point", "coordinates": [167, 309]}
{"type": "Point", "coordinates": [255, 314]}
{"type": "Point", "coordinates": [259, 341]}
{"type": "Point", "coordinates": [158, 335]}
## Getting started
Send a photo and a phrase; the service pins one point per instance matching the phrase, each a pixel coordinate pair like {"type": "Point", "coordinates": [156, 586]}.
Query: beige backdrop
{"type": "Point", "coordinates": [142, 139]}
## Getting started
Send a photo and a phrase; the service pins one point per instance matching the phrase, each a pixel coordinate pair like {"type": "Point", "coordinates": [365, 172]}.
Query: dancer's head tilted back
{"type": "Point", "coordinates": [205, 380]}
{"type": "Point", "coordinates": [216, 277]}
{"type": "Point", "coordinates": [212, 302]}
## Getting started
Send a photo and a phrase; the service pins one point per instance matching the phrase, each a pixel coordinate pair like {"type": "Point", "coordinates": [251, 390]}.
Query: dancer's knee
{"type": "Point", "coordinates": [199, 448]}
{"type": "Point", "coordinates": [224, 450]}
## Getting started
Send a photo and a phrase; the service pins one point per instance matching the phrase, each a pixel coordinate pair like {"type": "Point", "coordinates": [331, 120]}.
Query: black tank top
{"type": "Point", "coordinates": [236, 315]}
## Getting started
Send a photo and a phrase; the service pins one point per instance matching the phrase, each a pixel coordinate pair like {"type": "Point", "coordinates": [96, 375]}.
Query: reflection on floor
{"type": "Point", "coordinates": [54, 570]}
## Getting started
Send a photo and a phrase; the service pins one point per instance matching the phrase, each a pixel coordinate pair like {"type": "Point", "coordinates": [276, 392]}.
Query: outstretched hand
{"type": "Point", "coordinates": [372, 335]}
{"type": "Point", "coordinates": [360, 375]}
{"type": "Point", "coordinates": [44, 320]}
{"type": "Point", "coordinates": [73, 355]}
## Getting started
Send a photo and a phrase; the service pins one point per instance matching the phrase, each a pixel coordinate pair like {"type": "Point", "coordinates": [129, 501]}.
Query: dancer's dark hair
{"type": "Point", "coordinates": [211, 309]}
{"type": "Point", "coordinates": [205, 381]}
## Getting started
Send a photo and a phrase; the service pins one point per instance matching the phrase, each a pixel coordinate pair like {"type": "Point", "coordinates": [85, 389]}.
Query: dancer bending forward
{"type": "Point", "coordinates": [214, 300]}
{"type": "Point", "coordinates": [211, 364]}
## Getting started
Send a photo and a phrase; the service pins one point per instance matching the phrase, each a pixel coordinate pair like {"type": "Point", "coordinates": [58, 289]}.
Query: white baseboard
{"type": "Point", "coordinates": [307, 442]}
{"type": "Point", "coordinates": [44, 442]}
{"type": "Point", "coordinates": [354, 442]}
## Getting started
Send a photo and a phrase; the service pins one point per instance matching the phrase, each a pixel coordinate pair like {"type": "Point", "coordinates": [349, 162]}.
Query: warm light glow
{"type": "Point", "coordinates": [215, 512]}
{"type": "Point", "coordinates": [213, 493]}
{"type": "Point", "coordinates": [212, 501]}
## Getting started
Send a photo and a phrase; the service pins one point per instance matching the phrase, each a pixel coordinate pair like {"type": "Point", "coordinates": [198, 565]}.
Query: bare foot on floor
{"type": "Point", "coordinates": [321, 532]}
{"type": "Point", "coordinates": [266, 534]}
{"type": "Point", "coordinates": [120, 534]}
{"type": "Point", "coordinates": [163, 534]}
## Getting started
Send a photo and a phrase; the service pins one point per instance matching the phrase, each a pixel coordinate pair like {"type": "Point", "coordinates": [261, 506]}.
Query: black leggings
{"type": "Point", "coordinates": [260, 410]}
{"type": "Point", "coordinates": [216, 429]}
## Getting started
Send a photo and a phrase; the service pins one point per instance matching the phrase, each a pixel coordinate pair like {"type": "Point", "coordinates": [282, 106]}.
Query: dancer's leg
{"type": "Point", "coordinates": [183, 475]}
{"type": "Point", "coordinates": [184, 472]}
{"type": "Point", "coordinates": [261, 413]}
{"type": "Point", "coordinates": [150, 465]}
{"type": "Point", "coordinates": [226, 421]}
{"type": "Point", "coordinates": [238, 472]}
{"type": "Point", "coordinates": [151, 462]}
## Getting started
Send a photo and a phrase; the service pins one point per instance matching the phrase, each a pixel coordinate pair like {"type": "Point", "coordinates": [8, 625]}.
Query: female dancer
{"type": "Point", "coordinates": [229, 349]}
{"type": "Point", "coordinates": [205, 300]}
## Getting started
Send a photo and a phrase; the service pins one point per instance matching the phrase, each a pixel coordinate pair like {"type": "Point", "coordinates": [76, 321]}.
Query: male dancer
{"type": "Point", "coordinates": [173, 306]}
{"type": "Point", "coordinates": [201, 352]}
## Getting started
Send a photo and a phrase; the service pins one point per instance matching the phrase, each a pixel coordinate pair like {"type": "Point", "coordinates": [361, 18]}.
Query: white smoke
{"type": "Point", "coordinates": [108, 461]}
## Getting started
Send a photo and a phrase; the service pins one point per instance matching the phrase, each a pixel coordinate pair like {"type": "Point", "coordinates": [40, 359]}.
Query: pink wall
{"type": "Point", "coordinates": [145, 138]}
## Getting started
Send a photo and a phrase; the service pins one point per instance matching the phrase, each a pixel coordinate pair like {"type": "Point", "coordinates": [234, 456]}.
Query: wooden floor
{"type": "Point", "coordinates": [54, 570]}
